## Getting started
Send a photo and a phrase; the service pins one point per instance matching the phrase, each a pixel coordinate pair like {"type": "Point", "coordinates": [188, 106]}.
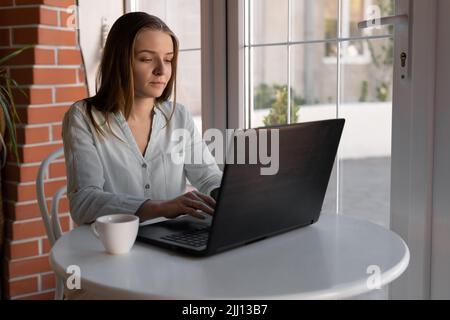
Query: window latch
{"type": "Point", "coordinates": [401, 21]}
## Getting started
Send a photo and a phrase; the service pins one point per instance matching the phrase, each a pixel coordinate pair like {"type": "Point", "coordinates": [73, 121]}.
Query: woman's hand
{"type": "Point", "coordinates": [187, 203]}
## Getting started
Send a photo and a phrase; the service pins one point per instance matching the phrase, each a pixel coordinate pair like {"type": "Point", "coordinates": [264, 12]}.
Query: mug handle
{"type": "Point", "coordinates": [94, 230]}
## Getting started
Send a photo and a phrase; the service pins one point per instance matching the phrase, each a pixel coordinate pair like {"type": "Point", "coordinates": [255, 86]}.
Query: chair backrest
{"type": "Point", "coordinates": [51, 221]}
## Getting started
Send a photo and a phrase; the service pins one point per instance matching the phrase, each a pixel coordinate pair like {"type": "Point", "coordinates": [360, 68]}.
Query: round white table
{"type": "Point", "coordinates": [338, 257]}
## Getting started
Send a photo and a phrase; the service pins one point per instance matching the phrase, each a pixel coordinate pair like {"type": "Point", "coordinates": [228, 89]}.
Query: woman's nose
{"type": "Point", "coordinates": [160, 69]}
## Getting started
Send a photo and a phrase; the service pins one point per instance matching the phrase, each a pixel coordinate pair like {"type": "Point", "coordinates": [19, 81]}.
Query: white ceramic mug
{"type": "Point", "coordinates": [117, 232]}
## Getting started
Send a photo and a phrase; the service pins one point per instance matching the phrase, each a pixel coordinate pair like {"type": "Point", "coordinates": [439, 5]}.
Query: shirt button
{"type": "Point", "coordinates": [144, 165]}
{"type": "Point", "coordinates": [147, 186]}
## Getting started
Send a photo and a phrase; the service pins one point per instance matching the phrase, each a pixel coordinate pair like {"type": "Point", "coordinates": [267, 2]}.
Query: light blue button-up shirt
{"type": "Point", "coordinates": [106, 175]}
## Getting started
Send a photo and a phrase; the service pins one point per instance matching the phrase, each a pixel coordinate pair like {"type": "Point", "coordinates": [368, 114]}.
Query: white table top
{"type": "Point", "coordinates": [327, 260]}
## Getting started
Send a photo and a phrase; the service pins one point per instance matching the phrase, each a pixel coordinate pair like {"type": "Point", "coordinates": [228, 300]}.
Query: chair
{"type": "Point", "coordinates": [51, 222]}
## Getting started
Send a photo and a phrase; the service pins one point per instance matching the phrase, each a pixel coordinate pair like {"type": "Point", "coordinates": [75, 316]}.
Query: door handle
{"type": "Point", "coordinates": [401, 19]}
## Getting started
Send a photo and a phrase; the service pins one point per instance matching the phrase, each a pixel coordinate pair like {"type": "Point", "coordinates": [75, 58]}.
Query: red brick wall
{"type": "Point", "coordinates": [53, 78]}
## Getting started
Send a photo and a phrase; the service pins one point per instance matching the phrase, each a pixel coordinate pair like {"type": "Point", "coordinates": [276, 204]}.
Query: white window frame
{"type": "Point", "coordinates": [413, 145]}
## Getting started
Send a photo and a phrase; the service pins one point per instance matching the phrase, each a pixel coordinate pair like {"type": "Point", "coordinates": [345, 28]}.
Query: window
{"type": "Point", "coordinates": [332, 69]}
{"type": "Point", "coordinates": [183, 18]}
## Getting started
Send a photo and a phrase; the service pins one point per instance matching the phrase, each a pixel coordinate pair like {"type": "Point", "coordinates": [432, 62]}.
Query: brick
{"type": "Point", "coordinates": [39, 35]}
{"type": "Point", "coordinates": [14, 173]}
{"type": "Point", "coordinates": [68, 20]}
{"type": "Point", "coordinates": [29, 154]}
{"type": "Point", "coordinates": [46, 247]}
{"type": "Point", "coordinates": [25, 16]}
{"type": "Point", "coordinates": [32, 96]}
{"type": "Point", "coordinates": [53, 3]}
{"type": "Point", "coordinates": [48, 17]}
{"type": "Point", "coordinates": [18, 211]}
{"type": "Point", "coordinates": [57, 37]}
{"type": "Point", "coordinates": [26, 135]}
{"type": "Point", "coordinates": [70, 94]}
{"type": "Point", "coordinates": [23, 286]}
{"type": "Point", "coordinates": [48, 281]}
{"type": "Point", "coordinates": [65, 223]}
{"type": "Point", "coordinates": [22, 250]}
{"type": "Point", "coordinates": [44, 76]}
{"type": "Point", "coordinates": [39, 296]}
{"type": "Point", "coordinates": [26, 35]}
{"type": "Point", "coordinates": [57, 170]}
{"type": "Point", "coordinates": [56, 132]}
{"type": "Point", "coordinates": [6, 3]}
{"type": "Point", "coordinates": [19, 16]}
{"type": "Point", "coordinates": [27, 267]}
{"type": "Point", "coordinates": [4, 37]}
{"type": "Point", "coordinates": [31, 56]}
{"type": "Point", "coordinates": [68, 56]}
{"type": "Point", "coordinates": [42, 115]}
{"type": "Point", "coordinates": [28, 192]}
{"type": "Point", "coordinates": [24, 230]}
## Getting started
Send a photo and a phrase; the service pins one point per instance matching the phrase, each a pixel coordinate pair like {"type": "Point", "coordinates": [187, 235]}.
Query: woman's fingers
{"type": "Point", "coordinates": [209, 200]}
{"type": "Point", "coordinates": [194, 213]}
{"type": "Point", "coordinates": [197, 195]}
{"type": "Point", "coordinates": [197, 204]}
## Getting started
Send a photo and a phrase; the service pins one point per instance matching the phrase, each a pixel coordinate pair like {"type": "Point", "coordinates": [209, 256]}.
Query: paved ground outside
{"type": "Point", "coordinates": [364, 189]}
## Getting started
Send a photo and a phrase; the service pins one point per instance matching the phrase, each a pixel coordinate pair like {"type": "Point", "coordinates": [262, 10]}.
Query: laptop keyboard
{"type": "Point", "coordinates": [195, 238]}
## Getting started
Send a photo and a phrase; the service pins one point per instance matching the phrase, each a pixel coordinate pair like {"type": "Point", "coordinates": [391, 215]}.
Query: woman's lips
{"type": "Point", "coordinates": [157, 84]}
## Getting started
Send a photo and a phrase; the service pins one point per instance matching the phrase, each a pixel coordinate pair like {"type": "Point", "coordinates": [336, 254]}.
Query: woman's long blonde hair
{"type": "Point", "coordinates": [115, 84]}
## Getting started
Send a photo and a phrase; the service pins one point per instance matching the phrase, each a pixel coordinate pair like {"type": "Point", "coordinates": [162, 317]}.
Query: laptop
{"type": "Point", "coordinates": [251, 206]}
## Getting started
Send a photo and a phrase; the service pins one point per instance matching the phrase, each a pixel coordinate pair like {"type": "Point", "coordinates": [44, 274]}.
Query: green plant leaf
{"type": "Point", "coordinates": [10, 126]}
{"type": "Point", "coordinates": [13, 54]}
{"type": "Point", "coordinates": [7, 100]}
{"type": "Point", "coordinates": [13, 105]}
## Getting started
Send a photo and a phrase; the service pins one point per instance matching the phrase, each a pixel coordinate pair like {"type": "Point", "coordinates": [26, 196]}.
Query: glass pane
{"type": "Point", "coordinates": [313, 20]}
{"type": "Point", "coordinates": [354, 11]}
{"type": "Point", "coordinates": [269, 79]}
{"type": "Point", "coordinates": [313, 79]}
{"type": "Point", "coordinates": [189, 84]}
{"type": "Point", "coordinates": [365, 149]}
{"type": "Point", "coordinates": [182, 16]}
{"type": "Point", "coordinates": [269, 19]}
{"type": "Point", "coordinates": [313, 96]}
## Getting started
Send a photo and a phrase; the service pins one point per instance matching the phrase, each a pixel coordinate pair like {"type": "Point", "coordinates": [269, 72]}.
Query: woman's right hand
{"type": "Point", "coordinates": [187, 203]}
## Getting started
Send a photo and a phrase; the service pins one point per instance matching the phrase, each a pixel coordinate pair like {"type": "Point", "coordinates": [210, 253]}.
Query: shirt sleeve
{"type": "Point", "coordinates": [85, 180]}
{"type": "Point", "coordinates": [205, 175]}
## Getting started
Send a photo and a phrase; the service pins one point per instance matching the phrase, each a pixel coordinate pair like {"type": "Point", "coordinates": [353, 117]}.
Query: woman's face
{"type": "Point", "coordinates": [152, 68]}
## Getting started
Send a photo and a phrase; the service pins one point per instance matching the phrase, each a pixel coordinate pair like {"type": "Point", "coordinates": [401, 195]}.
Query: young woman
{"type": "Point", "coordinates": [118, 143]}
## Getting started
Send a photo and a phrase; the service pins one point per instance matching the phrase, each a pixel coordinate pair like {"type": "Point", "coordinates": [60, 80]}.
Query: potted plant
{"type": "Point", "coordinates": [8, 119]}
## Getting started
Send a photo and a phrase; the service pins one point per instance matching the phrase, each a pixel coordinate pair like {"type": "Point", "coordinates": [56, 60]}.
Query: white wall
{"type": "Point", "coordinates": [440, 256]}
{"type": "Point", "coordinates": [90, 21]}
